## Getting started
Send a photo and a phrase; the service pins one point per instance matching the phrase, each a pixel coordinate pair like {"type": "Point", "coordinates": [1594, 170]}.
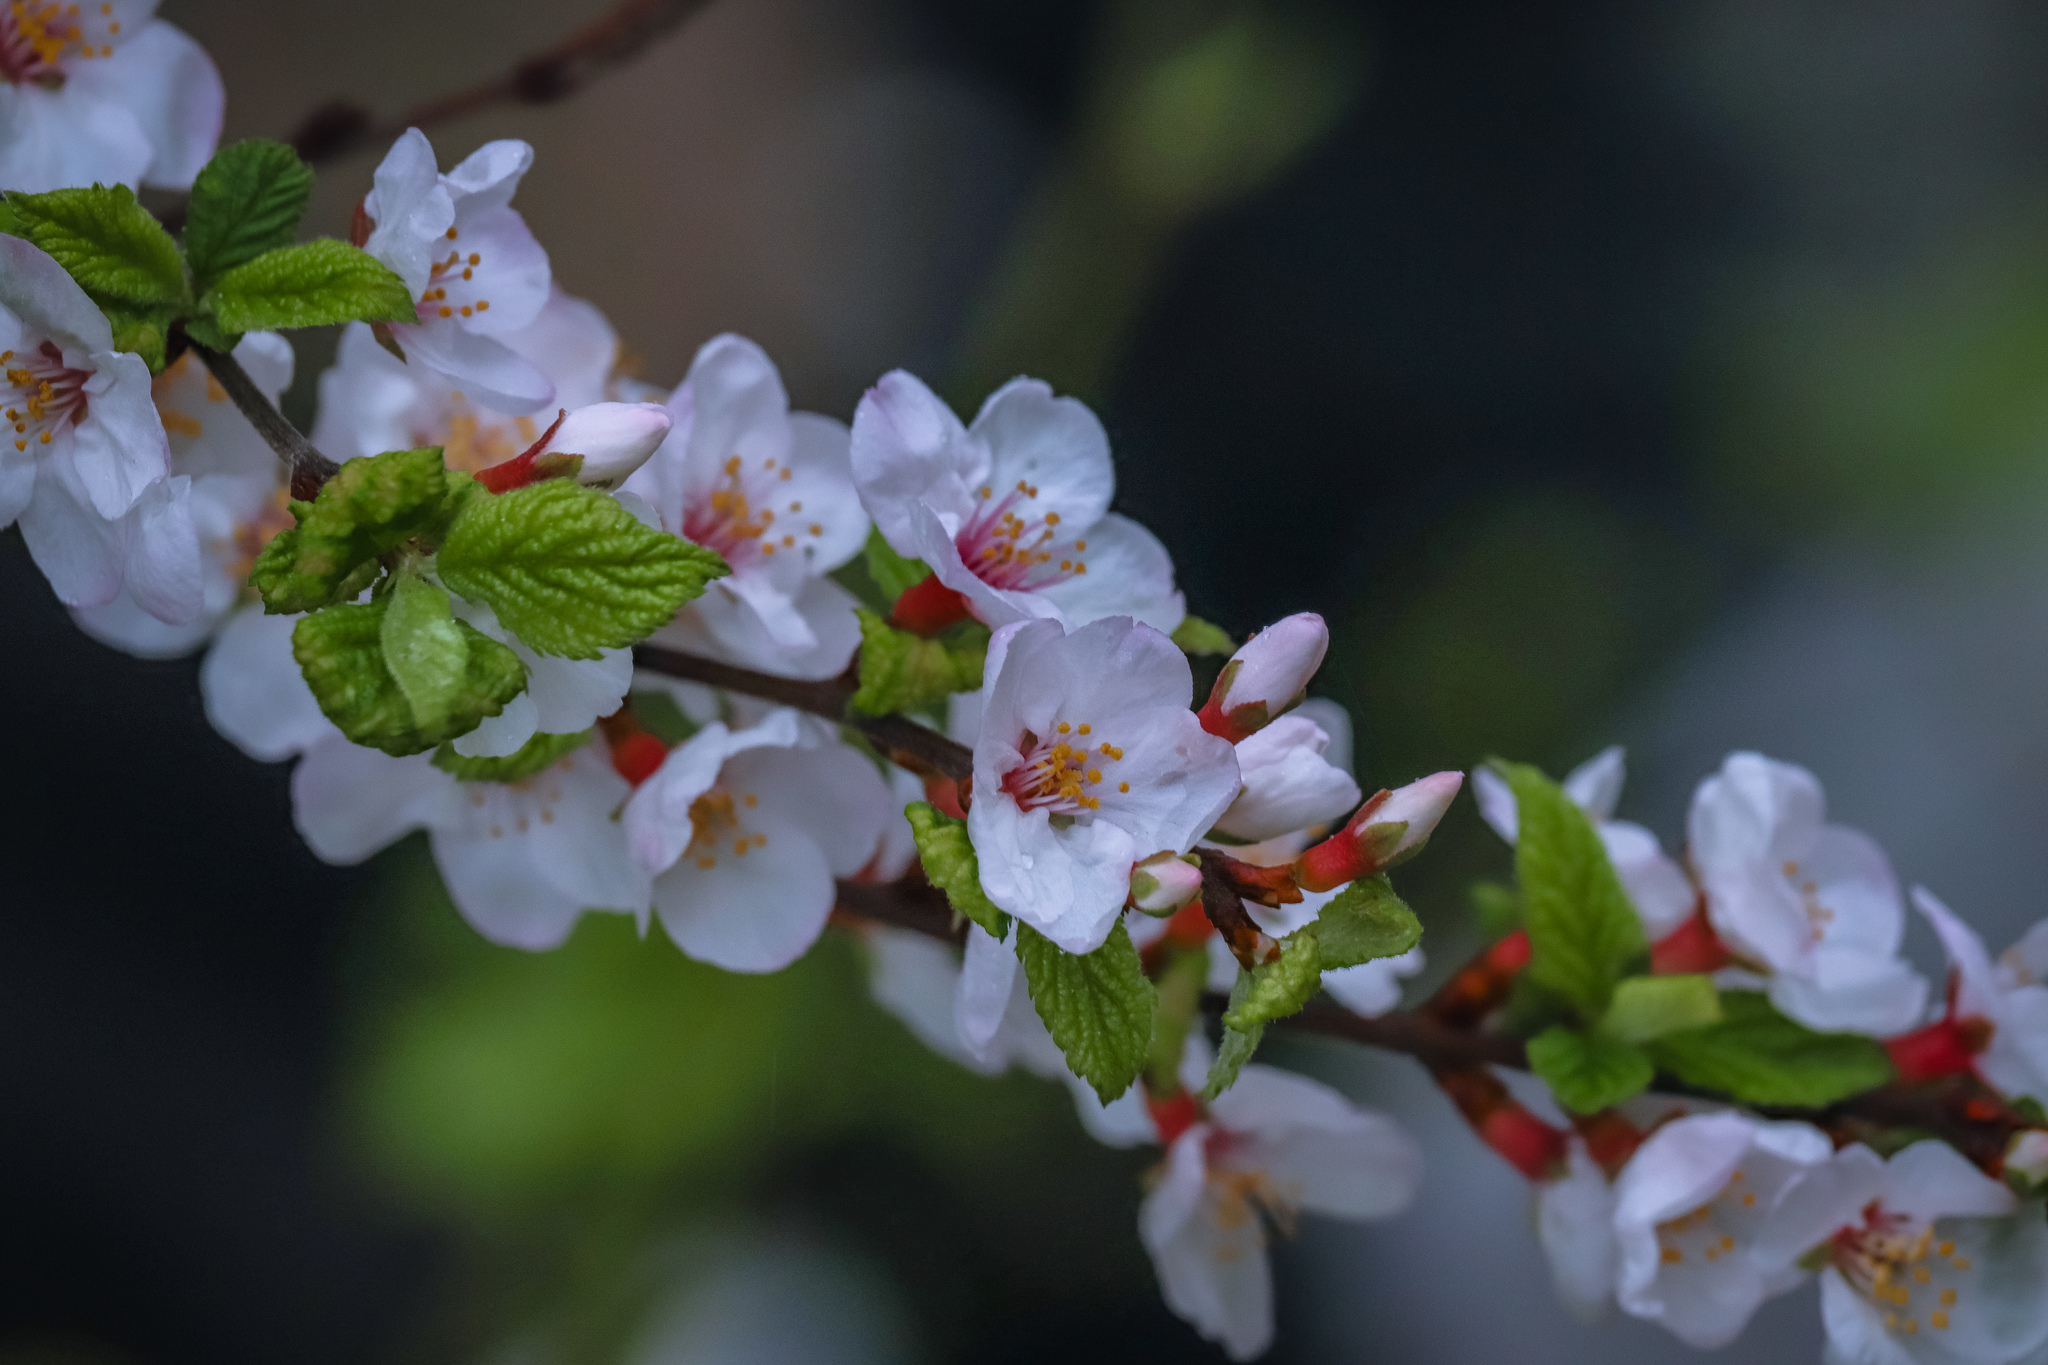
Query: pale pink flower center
{"type": "Point", "coordinates": [457, 271]}
{"type": "Point", "coordinates": [739, 518]}
{"type": "Point", "coordinates": [718, 827]}
{"type": "Point", "coordinates": [44, 393]}
{"type": "Point", "coordinates": [1063, 773]}
{"type": "Point", "coordinates": [1009, 545]}
{"type": "Point", "coordinates": [1914, 1278]}
{"type": "Point", "coordinates": [36, 36]}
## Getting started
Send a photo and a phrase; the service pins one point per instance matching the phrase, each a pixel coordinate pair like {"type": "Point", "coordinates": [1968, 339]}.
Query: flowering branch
{"type": "Point", "coordinates": [340, 127]}
{"type": "Point", "coordinates": [309, 468]}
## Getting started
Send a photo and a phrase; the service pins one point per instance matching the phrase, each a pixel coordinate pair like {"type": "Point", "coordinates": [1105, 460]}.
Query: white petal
{"type": "Point", "coordinates": [1054, 444]}
{"type": "Point", "coordinates": [504, 734]}
{"type": "Point", "coordinates": [1663, 895]}
{"type": "Point", "coordinates": [753, 913]}
{"type": "Point", "coordinates": [1825, 1199]}
{"type": "Point", "coordinates": [1847, 990]}
{"type": "Point", "coordinates": [1372, 988]}
{"type": "Point", "coordinates": [835, 794]}
{"type": "Point", "coordinates": [574, 345]}
{"type": "Point", "coordinates": [484, 368]}
{"type": "Point", "coordinates": [822, 480]}
{"type": "Point", "coordinates": [488, 177]}
{"type": "Point", "coordinates": [47, 300]}
{"type": "Point", "coordinates": [1288, 785]}
{"type": "Point", "coordinates": [254, 692]}
{"type": "Point", "coordinates": [53, 139]}
{"type": "Point", "coordinates": [1931, 1180]}
{"type": "Point", "coordinates": [907, 449]}
{"type": "Point", "coordinates": [119, 448]}
{"type": "Point", "coordinates": [1979, 992]}
{"type": "Point", "coordinates": [1595, 785]}
{"type": "Point", "coordinates": [1212, 1272]}
{"type": "Point", "coordinates": [657, 818]}
{"type": "Point", "coordinates": [1129, 574]}
{"type": "Point", "coordinates": [1574, 1223]}
{"type": "Point", "coordinates": [349, 801]}
{"type": "Point", "coordinates": [1856, 1331]}
{"type": "Point", "coordinates": [168, 83]}
{"type": "Point", "coordinates": [78, 550]}
{"type": "Point", "coordinates": [501, 893]}
{"type": "Point", "coordinates": [161, 569]}
{"type": "Point", "coordinates": [412, 210]}
{"type": "Point", "coordinates": [1496, 803]}
{"type": "Point", "coordinates": [988, 975]}
{"type": "Point", "coordinates": [913, 976]}
{"type": "Point", "coordinates": [511, 275]}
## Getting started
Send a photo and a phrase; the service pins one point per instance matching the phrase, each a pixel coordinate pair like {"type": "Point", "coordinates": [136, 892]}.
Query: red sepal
{"type": "Point", "coordinates": [1944, 1048]}
{"type": "Point", "coordinates": [1610, 1140]}
{"type": "Point", "coordinates": [1272, 886]}
{"type": "Point", "coordinates": [636, 757]}
{"type": "Point", "coordinates": [928, 607]}
{"type": "Point", "coordinates": [529, 466]}
{"type": "Point", "coordinates": [944, 793]}
{"type": "Point", "coordinates": [1692, 947]}
{"type": "Point", "coordinates": [1174, 1115]}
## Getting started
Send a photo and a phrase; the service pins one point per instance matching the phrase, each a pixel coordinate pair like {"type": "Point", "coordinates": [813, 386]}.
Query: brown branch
{"type": "Point", "coordinates": [309, 468]}
{"type": "Point", "coordinates": [338, 128]}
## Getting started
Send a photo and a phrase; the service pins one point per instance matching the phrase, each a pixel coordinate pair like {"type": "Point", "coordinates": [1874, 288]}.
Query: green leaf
{"type": "Point", "coordinates": [537, 755]}
{"type": "Point", "coordinates": [1366, 921]}
{"type": "Point", "coordinates": [1646, 1007]}
{"type": "Point", "coordinates": [1583, 930]}
{"type": "Point", "coordinates": [341, 652]}
{"type": "Point", "coordinates": [138, 329]}
{"type": "Point", "coordinates": [247, 200]}
{"type": "Point", "coordinates": [425, 649]}
{"type": "Point", "coordinates": [1179, 985]}
{"type": "Point", "coordinates": [951, 865]}
{"type": "Point", "coordinates": [1196, 636]}
{"type": "Point", "coordinates": [663, 717]}
{"type": "Point", "coordinates": [372, 506]}
{"type": "Point", "coordinates": [893, 575]}
{"type": "Point", "coordinates": [1758, 1056]}
{"type": "Point", "coordinates": [309, 286]}
{"type": "Point", "coordinates": [1097, 1006]}
{"type": "Point", "coordinates": [569, 570]}
{"type": "Point", "coordinates": [109, 243]}
{"type": "Point", "coordinates": [1499, 908]}
{"type": "Point", "coordinates": [1238, 1044]}
{"type": "Point", "coordinates": [1589, 1071]}
{"type": "Point", "coordinates": [900, 671]}
{"type": "Point", "coordinates": [1281, 987]}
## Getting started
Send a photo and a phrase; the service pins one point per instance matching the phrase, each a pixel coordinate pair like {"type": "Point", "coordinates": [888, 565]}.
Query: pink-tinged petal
{"type": "Point", "coordinates": [411, 208]}
{"type": "Point", "coordinates": [502, 894]}
{"type": "Point", "coordinates": [657, 819]}
{"type": "Point", "coordinates": [511, 273]}
{"type": "Point", "coordinates": [1664, 896]}
{"type": "Point", "coordinates": [52, 139]}
{"type": "Point", "coordinates": [906, 449]}
{"type": "Point", "coordinates": [1931, 1180]}
{"type": "Point", "coordinates": [1496, 804]}
{"type": "Point", "coordinates": [1055, 445]}
{"type": "Point", "coordinates": [823, 508]}
{"type": "Point", "coordinates": [928, 539]}
{"type": "Point", "coordinates": [1288, 785]}
{"type": "Point", "coordinates": [981, 998]}
{"type": "Point", "coordinates": [835, 794]}
{"type": "Point", "coordinates": [161, 569]}
{"type": "Point", "coordinates": [1574, 1223]}
{"type": "Point", "coordinates": [485, 369]}
{"type": "Point", "coordinates": [1979, 992]}
{"type": "Point", "coordinates": [488, 177]}
{"type": "Point", "coordinates": [349, 802]}
{"type": "Point", "coordinates": [738, 406]}
{"type": "Point", "coordinates": [366, 399]}
{"type": "Point", "coordinates": [254, 692]}
{"type": "Point", "coordinates": [1829, 1197]}
{"type": "Point", "coordinates": [119, 448]}
{"type": "Point", "coordinates": [78, 550]}
{"type": "Point", "coordinates": [1847, 990]}
{"type": "Point", "coordinates": [1595, 785]}
{"type": "Point", "coordinates": [169, 85]}
{"type": "Point", "coordinates": [1212, 1269]}
{"type": "Point", "coordinates": [44, 297]}
{"type": "Point", "coordinates": [614, 439]}
{"type": "Point", "coordinates": [752, 912]}
{"type": "Point", "coordinates": [1129, 574]}
{"type": "Point", "coordinates": [1271, 670]}
{"type": "Point", "coordinates": [574, 344]}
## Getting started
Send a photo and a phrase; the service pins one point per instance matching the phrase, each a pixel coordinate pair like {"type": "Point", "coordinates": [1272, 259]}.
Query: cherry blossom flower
{"type": "Point", "coordinates": [1288, 784]}
{"type": "Point", "coordinates": [1996, 1023]}
{"type": "Point", "coordinates": [237, 498]}
{"type": "Point", "coordinates": [770, 490]}
{"type": "Point", "coordinates": [1012, 513]}
{"type": "Point", "coordinates": [744, 832]}
{"type": "Point", "coordinates": [102, 92]}
{"type": "Point", "coordinates": [1575, 1224]}
{"type": "Point", "coordinates": [1266, 677]}
{"type": "Point", "coordinates": [1271, 1147]}
{"type": "Point", "coordinates": [1088, 760]}
{"type": "Point", "coordinates": [1925, 1259]}
{"type": "Point", "coordinates": [1663, 895]}
{"type": "Point", "coordinates": [1390, 828]}
{"type": "Point", "coordinates": [84, 467]}
{"type": "Point", "coordinates": [1813, 904]}
{"type": "Point", "coordinates": [1688, 1209]}
{"type": "Point", "coordinates": [471, 263]}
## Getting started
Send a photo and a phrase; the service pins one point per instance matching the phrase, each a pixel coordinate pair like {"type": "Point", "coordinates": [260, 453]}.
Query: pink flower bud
{"type": "Point", "coordinates": [2027, 1158]}
{"type": "Point", "coordinates": [1389, 829]}
{"type": "Point", "coordinates": [614, 439]}
{"type": "Point", "coordinates": [1267, 677]}
{"type": "Point", "coordinates": [1165, 882]}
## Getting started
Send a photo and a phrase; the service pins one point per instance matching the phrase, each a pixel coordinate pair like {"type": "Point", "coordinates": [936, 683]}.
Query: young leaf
{"type": "Point", "coordinates": [569, 570]}
{"type": "Point", "coordinates": [950, 864]}
{"type": "Point", "coordinates": [1646, 1007]}
{"type": "Point", "coordinates": [425, 650]}
{"type": "Point", "coordinates": [109, 243]}
{"type": "Point", "coordinates": [1238, 1044]}
{"type": "Point", "coordinates": [1180, 1006]}
{"type": "Point", "coordinates": [341, 652]}
{"type": "Point", "coordinates": [247, 200]}
{"type": "Point", "coordinates": [1583, 930]}
{"type": "Point", "coordinates": [900, 671]}
{"type": "Point", "coordinates": [1589, 1071]}
{"type": "Point", "coordinates": [1282, 987]}
{"type": "Point", "coordinates": [1366, 921]}
{"type": "Point", "coordinates": [1097, 1006]}
{"type": "Point", "coordinates": [373, 505]}
{"type": "Point", "coordinates": [308, 286]}
{"type": "Point", "coordinates": [1758, 1056]}
{"type": "Point", "coordinates": [1196, 636]}
{"type": "Point", "coordinates": [138, 329]}
{"type": "Point", "coordinates": [893, 575]}
{"type": "Point", "coordinates": [537, 755]}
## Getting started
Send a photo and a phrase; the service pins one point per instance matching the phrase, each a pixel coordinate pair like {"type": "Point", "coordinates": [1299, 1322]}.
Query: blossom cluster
{"type": "Point", "coordinates": [442, 636]}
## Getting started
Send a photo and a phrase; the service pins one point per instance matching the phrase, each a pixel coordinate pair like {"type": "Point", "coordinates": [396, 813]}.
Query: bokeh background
{"type": "Point", "coordinates": [1672, 374]}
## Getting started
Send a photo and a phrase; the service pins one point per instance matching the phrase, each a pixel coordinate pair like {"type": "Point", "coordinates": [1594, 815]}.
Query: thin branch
{"type": "Point", "coordinates": [309, 468]}
{"type": "Point", "coordinates": [336, 129]}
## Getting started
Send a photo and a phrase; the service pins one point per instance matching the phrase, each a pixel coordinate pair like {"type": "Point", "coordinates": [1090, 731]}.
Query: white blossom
{"type": "Point", "coordinates": [2010, 1008]}
{"type": "Point", "coordinates": [1267, 676]}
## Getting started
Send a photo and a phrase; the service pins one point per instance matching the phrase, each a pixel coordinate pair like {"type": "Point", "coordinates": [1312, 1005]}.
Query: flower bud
{"type": "Point", "coordinates": [614, 439]}
{"type": "Point", "coordinates": [1389, 829]}
{"type": "Point", "coordinates": [1165, 882]}
{"type": "Point", "coordinates": [2027, 1158]}
{"type": "Point", "coordinates": [1267, 677]}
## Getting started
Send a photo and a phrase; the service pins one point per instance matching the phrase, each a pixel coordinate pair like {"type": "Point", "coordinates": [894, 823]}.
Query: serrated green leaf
{"type": "Point", "coordinates": [373, 505]}
{"type": "Point", "coordinates": [309, 285]}
{"type": "Point", "coordinates": [1098, 1006]}
{"type": "Point", "coordinates": [1758, 1056]}
{"type": "Point", "coordinates": [138, 329]}
{"type": "Point", "coordinates": [1196, 636]}
{"type": "Point", "coordinates": [1583, 930]}
{"type": "Point", "coordinates": [1281, 987]}
{"type": "Point", "coordinates": [1238, 1045]}
{"type": "Point", "coordinates": [211, 334]}
{"type": "Point", "coordinates": [900, 671]}
{"type": "Point", "coordinates": [341, 653]}
{"type": "Point", "coordinates": [570, 571]}
{"type": "Point", "coordinates": [537, 755]}
{"type": "Point", "coordinates": [1365, 921]}
{"type": "Point", "coordinates": [951, 865]}
{"type": "Point", "coordinates": [1646, 1007]}
{"type": "Point", "coordinates": [10, 221]}
{"type": "Point", "coordinates": [663, 717]}
{"type": "Point", "coordinates": [106, 241]}
{"type": "Point", "coordinates": [425, 649]}
{"type": "Point", "coordinates": [1589, 1072]}
{"type": "Point", "coordinates": [892, 574]}
{"type": "Point", "coordinates": [246, 201]}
